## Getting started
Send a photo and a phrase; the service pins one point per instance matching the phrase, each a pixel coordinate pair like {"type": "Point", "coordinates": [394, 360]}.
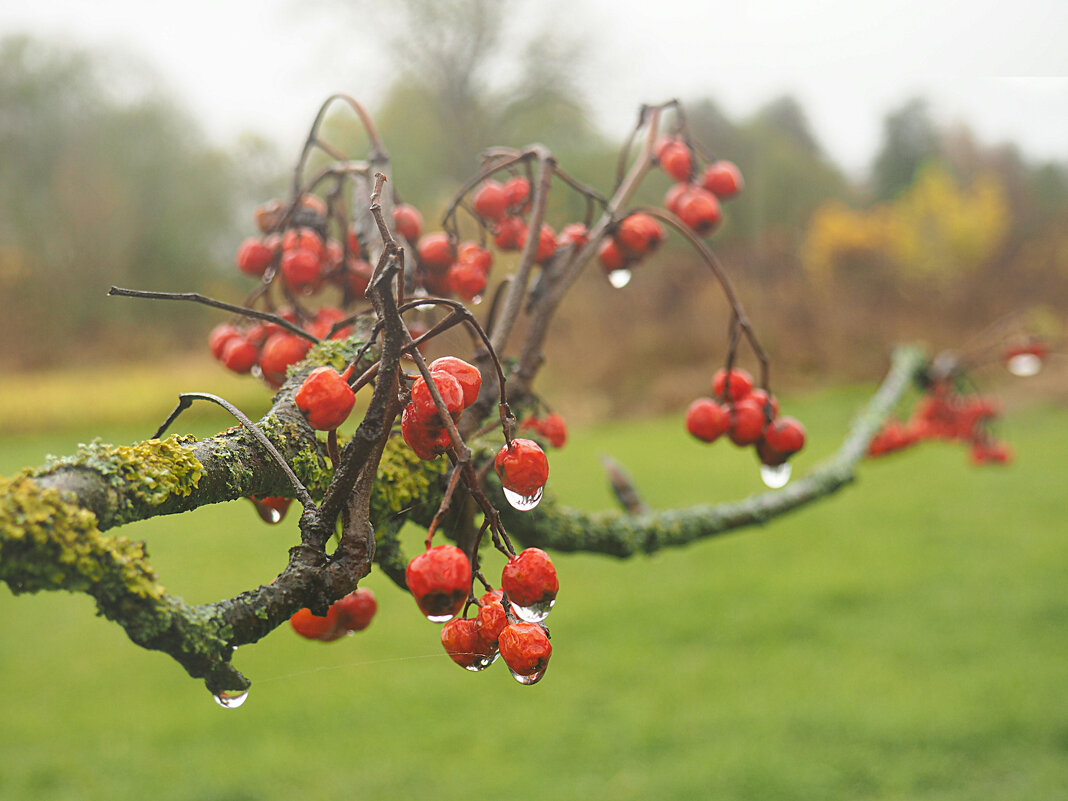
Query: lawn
{"type": "Point", "coordinates": [907, 639]}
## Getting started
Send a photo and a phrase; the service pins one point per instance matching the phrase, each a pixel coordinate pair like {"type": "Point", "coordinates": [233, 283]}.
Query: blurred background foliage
{"type": "Point", "coordinates": [105, 180]}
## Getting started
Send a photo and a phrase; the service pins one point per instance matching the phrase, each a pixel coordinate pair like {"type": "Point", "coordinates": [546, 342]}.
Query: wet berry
{"type": "Point", "coordinates": [439, 579]}
{"type": "Point", "coordinates": [522, 467]}
{"type": "Point", "coordinates": [325, 398]}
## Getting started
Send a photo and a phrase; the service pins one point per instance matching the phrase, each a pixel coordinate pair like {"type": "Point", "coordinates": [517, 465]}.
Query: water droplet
{"type": "Point", "coordinates": [476, 300]}
{"type": "Point", "coordinates": [484, 662]}
{"type": "Point", "coordinates": [776, 476]}
{"type": "Point", "coordinates": [533, 678]}
{"type": "Point", "coordinates": [231, 699]}
{"type": "Point", "coordinates": [618, 279]}
{"type": "Point", "coordinates": [441, 618]}
{"type": "Point", "coordinates": [535, 613]}
{"type": "Point", "coordinates": [1024, 364]}
{"type": "Point", "coordinates": [524, 503]}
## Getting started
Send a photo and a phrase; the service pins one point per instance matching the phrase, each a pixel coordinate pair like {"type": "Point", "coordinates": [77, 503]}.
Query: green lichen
{"type": "Point", "coordinates": [145, 474]}
{"type": "Point", "coordinates": [403, 480]}
{"type": "Point", "coordinates": [336, 353]}
{"type": "Point", "coordinates": [303, 452]}
{"type": "Point", "coordinates": [49, 543]}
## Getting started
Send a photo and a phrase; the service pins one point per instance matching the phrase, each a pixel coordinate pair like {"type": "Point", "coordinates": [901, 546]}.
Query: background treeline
{"type": "Point", "coordinates": [104, 180]}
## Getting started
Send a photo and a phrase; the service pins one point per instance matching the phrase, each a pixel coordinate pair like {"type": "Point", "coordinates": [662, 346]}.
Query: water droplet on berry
{"type": "Point", "coordinates": [484, 662]}
{"type": "Point", "coordinates": [776, 476]}
{"type": "Point", "coordinates": [618, 279]}
{"type": "Point", "coordinates": [536, 612]}
{"type": "Point", "coordinates": [524, 503]}
{"type": "Point", "coordinates": [476, 300]}
{"type": "Point", "coordinates": [228, 699]}
{"type": "Point", "coordinates": [533, 678]}
{"type": "Point", "coordinates": [1024, 364]}
{"type": "Point", "coordinates": [441, 618]}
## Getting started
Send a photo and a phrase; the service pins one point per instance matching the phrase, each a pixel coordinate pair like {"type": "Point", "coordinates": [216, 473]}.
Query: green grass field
{"type": "Point", "coordinates": [907, 639]}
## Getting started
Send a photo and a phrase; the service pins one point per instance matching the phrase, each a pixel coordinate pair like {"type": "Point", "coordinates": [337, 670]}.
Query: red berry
{"type": "Point", "coordinates": [546, 244]}
{"type": "Point", "coordinates": [723, 179]}
{"type": "Point", "coordinates": [475, 255]}
{"type": "Point", "coordinates": [278, 353]}
{"type": "Point", "coordinates": [740, 383]}
{"type": "Point", "coordinates": [674, 195]}
{"type": "Point", "coordinates": [452, 394]}
{"type": "Point", "coordinates": [357, 276]}
{"type": "Point", "coordinates": [517, 192]}
{"type": "Point", "coordinates": [428, 440]}
{"type": "Point", "coordinates": [764, 399]}
{"type": "Point", "coordinates": [490, 201]}
{"type": "Point", "coordinates": [219, 336]}
{"type": "Point", "coordinates": [239, 355]}
{"type": "Point", "coordinates": [639, 234]}
{"type": "Point", "coordinates": [408, 221]}
{"type": "Point", "coordinates": [510, 232]}
{"type": "Point", "coordinates": [300, 269]}
{"type": "Point", "coordinates": [522, 467]}
{"type": "Point", "coordinates": [357, 609]}
{"type": "Point", "coordinates": [675, 158]}
{"type": "Point", "coordinates": [314, 627]}
{"type": "Point", "coordinates": [785, 435]}
{"type": "Point", "coordinates": [466, 280]}
{"type": "Point", "coordinates": [530, 579]}
{"type": "Point", "coordinates": [435, 252]}
{"type": "Point", "coordinates": [303, 239]}
{"type": "Point", "coordinates": [325, 398]}
{"type": "Point", "coordinates": [611, 256]}
{"type": "Point", "coordinates": [747, 422]}
{"type": "Point", "coordinates": [439, 579]}
{"type": "Point", "coordinates": [461, 640]}
{"type": "Point", "coordinates": [468, 376]}
{"type": "Point", "coordinates": [253, 257]}
{"type": "Point", "coordinates": [526, 649]}
{"type": "Point", "coordinates": [491, 618]}
{"type": "Point", "coordinates": [699, 209]}
{"type": "Point", "coordinates": [707, 420]}
{"type": "Point", "coordinates": [573, 234]}
{"type": "Point", "coordinates": [554, 428]}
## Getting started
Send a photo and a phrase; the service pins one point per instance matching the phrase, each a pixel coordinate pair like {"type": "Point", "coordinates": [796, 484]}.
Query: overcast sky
{"type": "Point", "coordinates": [265, 65]}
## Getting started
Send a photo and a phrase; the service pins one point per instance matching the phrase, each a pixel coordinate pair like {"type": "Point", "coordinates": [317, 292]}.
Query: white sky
{"type": "Point", "coordinates": [265, 65]}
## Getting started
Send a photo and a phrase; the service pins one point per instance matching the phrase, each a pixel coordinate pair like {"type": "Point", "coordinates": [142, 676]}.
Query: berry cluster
{"type": "Point", "coordinates": [695, 197]}
{"type": "Point", "coordinates": [748, 416]}
{"type": "Point", "coordinates": [296, 255]}
{"type": "Point", "coordinates": [350, 614]}
{"type": "Point", "coordinates": [944, 414]}
{"type": "Point", "coordinates": [458, 383]}
{"type": "Point", "coordinates": [528, 586]}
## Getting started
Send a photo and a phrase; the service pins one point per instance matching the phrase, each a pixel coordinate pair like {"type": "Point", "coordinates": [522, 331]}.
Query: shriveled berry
{"type": "Point", "coordinates": [408, 221]}
{"type": "Point", "coordinates": [491, 618]}
{"type": "Point", "coordinates": [554, 429]}
{"type": "Point", "coordinates": [522, 467]}
{"type": "Point", "coordinates": [525, 647]}
{"type": "Point", "coordinates": [303, 239]}
{"type": "Point", "coordinates": [463, 644]}
{"type": "Point", "coordinates": [279, 352]}
{"type": "Point", "coordinates": [452, 394]}
{"type": "Point", "coordinates": [357, 609]}
{"type": "Point", "coordinates": [316, 627]}
{"type": "Point", "coordinates": [467, 375]}
{"type": "Point", "coordinates": [325, 398]}
{"type": "Point", "coordinates": [439, 579]}
{"type": "Point", "coordinates": [517, 192]}
{"type": "Point", "coordinates": [530, 578]}
{"type": "Point", "coordinates": [466, 280]}
{"type": "Point", "coordinates": [423, 438]}
{"type": "Point", "coordinates": [300, 269]}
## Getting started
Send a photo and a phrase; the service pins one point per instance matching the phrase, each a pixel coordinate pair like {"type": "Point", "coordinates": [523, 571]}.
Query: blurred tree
{"type": "Point", "coordinates": [909, 139]}
{"type": "Point", "coordinates": [105, 182]}
{"type": "Point", "coordinates": [450, 100]}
